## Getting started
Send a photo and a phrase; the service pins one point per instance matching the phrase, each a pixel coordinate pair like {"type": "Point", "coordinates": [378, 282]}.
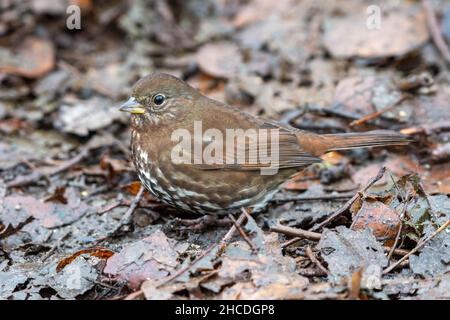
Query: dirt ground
{"type": "Point", "coordinates": [362, 224]}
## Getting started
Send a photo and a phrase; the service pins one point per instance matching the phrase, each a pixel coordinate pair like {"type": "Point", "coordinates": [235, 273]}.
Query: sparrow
{"type": "Point", "coordinates": [180, 159]}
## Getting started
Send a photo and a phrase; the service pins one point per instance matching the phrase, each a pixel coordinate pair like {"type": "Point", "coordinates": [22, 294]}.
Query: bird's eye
{"type": "Point", "coordinates": [159, 99]}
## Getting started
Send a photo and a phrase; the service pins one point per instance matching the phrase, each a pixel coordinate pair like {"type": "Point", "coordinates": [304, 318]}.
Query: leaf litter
{"type": "Point", "coordinates": [66, 179]}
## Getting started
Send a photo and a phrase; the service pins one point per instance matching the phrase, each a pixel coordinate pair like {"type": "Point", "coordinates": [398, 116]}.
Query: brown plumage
{"type": "Point", "coordinates": [161, 104]}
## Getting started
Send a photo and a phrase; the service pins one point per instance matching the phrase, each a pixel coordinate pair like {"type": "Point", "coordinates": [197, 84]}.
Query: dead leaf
{"type": "Point", "coordinates": [258, 10]}
{"type": "Point", "coordinates": [50, 215]}
{"type": "Point", "coordinates": [151, 258]}
{"type": "Point", "coordinates": [33, 58]}
{"type": "Point", "coordinates": [35, 146]}
{"type": "Point", "coordinates": [95, 252]}
{"type": "Point", "coordinates": [57, 196]}
{"type": "Point", "coordinates": [382, 219]}
{"type": "Point", "coordinates": [346, 251]}
{"type": "Point", "coordinates": [220, 59]}
{"type": "Point", "coordinates": [400, 32]}
{"type": "Point", "coordinates": [87, 115]}
{"type": "Point", "coordinates": [9, 280]}
{"type": "Point", "coordinates": [133, 188]}
{"type": "Point", "coordinates": [434, 257]}
{"type": "Point", "coordinates": [363, 95]}
{"type": "Point", "coordinates": [115, 87]}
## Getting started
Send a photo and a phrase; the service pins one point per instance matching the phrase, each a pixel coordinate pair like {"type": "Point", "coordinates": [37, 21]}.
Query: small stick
{"type": "Point", "coordinates": [313, 198]}
{"type": "Point", "coordinates": [134, 295]}
{"type": "Point", "coordinates": [243, 234]}
{"type": "Point", "coordinates": [376, 114]}
{"type": "Point", "coordinates": [399, 232]}
{"type": "Point", "coordinates": [221, 245]}
{"type": "Point", "coordinates": [349, 203]}
{"type": "Point", "coordinates": [419, 245]}
{"type": "Point", "coordinates": [110, 207]}
{"type": "Point", "coordinates": [289, 242]}
{"type": "Point", "coordinates": [397, 251]}
{"type": "Point", "coordinates": [314, 259]}
{"type": "Point", "coordinates": [127, 217]}
{"type": "Point", "coordinates": [435, 31]}
{"type": "Point", "coordinates": [295, 232]}
{"type": "Point", "coordinates": [232, 230]}
{"type": "Point", "coordinates": [311, 273]}
{"type": "Point", "coordinates": [427, 128]}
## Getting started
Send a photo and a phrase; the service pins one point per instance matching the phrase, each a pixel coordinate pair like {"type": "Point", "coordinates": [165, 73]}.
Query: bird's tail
{"type": "Point", "coordinates": [378, 138]}
{"type": "Point", "coordinates": [320, 144]}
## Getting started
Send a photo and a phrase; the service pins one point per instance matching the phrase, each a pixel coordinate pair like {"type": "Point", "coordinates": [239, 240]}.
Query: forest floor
{"type": "Point", "coordinates": [363, 224]}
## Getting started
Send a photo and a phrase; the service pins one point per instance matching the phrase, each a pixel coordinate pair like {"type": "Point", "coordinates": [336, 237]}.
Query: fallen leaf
{"type": "Point", "coordinates": [57, 196]}
{"type": "Point", "coordinates": [75, 279]}
{"type": "Point", "coordinates": [400, 32]}
{"type": "Point", "coordinates": [382, 219]}
{"type": "Point", "coordinates": [151, 258]}
{"type": "Point", "coordinates": [33, 58]}
{"type": "Point", "coordinates": [133, 188]}
{"type": "Point", "coordinates": [95, 252]}
{"type": "Point", "coordinates": [49, 214]}
{"type": "Point", "coordinates": [220, 59]}
{"type": "Point", "coordinates": [9, 280]}
{"type": "Point", "coordinates": [87, 115]}
{"type": "Point", "coordinates": [434, 257]}
{"type": "Point", "coordinates": [38, 145]}
{"type": "Point", "coordinates": [346, 251]}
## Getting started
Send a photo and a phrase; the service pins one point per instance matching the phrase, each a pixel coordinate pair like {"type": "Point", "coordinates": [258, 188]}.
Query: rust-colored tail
{"type": "Point", "coordinates": [320, 144]}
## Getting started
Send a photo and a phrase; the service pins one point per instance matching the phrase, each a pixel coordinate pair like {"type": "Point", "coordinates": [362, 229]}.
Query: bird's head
{"type": "Point", "coordinates": [159, 97]}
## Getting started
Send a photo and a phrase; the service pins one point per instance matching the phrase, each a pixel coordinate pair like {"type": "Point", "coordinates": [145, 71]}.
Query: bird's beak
{"type": "Point", "coordinates": [132, 106]}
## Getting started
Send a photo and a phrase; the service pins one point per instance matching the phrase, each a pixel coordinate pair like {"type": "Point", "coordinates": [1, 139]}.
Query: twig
{"type": "Point", "coordinates": [376, 114]}
{"type": "Point", "coordinates": [47, 172]}
{"type": "Point", "coordinates": [126, 218]}
{"type": "Point", "coordinates": [314, 259]}
{"type": "Point", "coordinates": [9, 229]}
{"type": "Point", "coordinates": [349, 203]}
{"type": "Point", "coordinates": [125, 203]}
{"type": "Point", "coordinates": [427, 128]}
{"type": "Point", "coordinates": [289, 242]}
{"type": "Point", "coordinates": [110, 207]}
{"type": "Point", "coordinates": [221, 245]}
{"type": "Point", "coordinates": [399, 252]}
{"type": "Point", "coordinates": [134, 295]}
{"type": "Point", "coordinates": [399, 231]}
{"type": "Point", "coordinates": [311, 272]}
{"type": "Point", "coordinates": [243, 234]}
{"type": "Point", "coordinates": [419, 245]}
{"type": "Point", "coordinates": [295, 232]}
{"type": "Point", "coordinates": [232, 230]}
{"type": "Point", "coordinates": [435, 31]}
{"type": "Point", "coordinates": [314, 198]}
{"type": "Point", "coordinates": [355, 285]}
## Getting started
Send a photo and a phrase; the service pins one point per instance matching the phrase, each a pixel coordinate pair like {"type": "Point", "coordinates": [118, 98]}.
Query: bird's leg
{"type": "Point", "coordinates": [202, 223]}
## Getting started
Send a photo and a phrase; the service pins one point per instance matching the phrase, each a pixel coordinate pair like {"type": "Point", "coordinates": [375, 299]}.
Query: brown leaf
{"type": "Point", "coordinates": [151, 258]}
{"type": "Point", "coordinates": [133, 187]}
{"type": "Point", "coordinates": [382, 219]}
{"type": "Point", "coordinates": [400, 33]}
{"type": "Point", "coordinates": [220, 60]}
{"type": "Point", "coordinates": [33, 58]}
{"type": "Point", "coordinates": [95, 252]}
{"type": "Point", "coordinates": [57, 196]}
{"type": "Point", "coordinates": [49, 214]}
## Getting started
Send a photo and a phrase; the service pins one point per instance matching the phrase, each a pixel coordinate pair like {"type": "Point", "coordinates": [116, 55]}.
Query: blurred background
{"type": "Point", "coordinates": [325, 66]}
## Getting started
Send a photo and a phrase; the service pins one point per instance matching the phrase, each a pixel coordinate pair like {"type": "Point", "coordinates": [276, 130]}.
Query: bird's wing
{"type": "Point", "coordinates": [278, 147]}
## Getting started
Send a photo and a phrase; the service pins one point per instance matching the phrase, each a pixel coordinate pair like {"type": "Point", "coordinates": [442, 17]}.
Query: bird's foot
{"type": "Point", "coordinates": [202, 223]}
